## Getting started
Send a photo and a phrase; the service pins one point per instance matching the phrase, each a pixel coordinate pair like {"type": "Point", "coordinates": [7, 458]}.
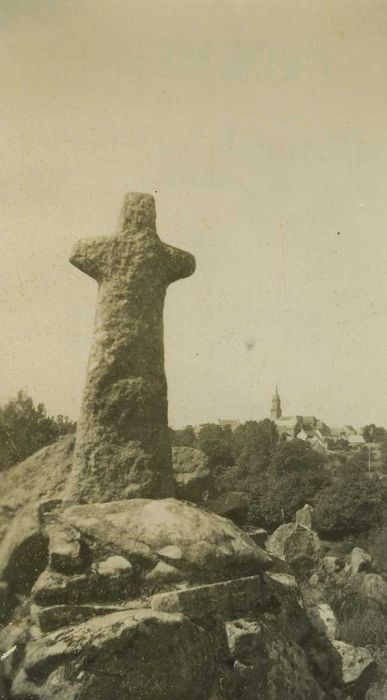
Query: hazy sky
{"type": "Point", "coordinates": [262, 128]}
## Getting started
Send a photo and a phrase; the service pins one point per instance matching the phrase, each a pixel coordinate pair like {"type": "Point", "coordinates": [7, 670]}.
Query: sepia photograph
{"type": "Point", "coordinates": [193, 396]}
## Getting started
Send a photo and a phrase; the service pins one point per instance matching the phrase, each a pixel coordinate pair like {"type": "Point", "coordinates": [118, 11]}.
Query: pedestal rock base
{"type": "Point", "coordinates": [161, 600]}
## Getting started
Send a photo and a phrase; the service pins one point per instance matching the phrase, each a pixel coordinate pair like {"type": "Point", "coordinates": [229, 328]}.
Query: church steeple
{"type": "Point", "coordinates": [276, 412]}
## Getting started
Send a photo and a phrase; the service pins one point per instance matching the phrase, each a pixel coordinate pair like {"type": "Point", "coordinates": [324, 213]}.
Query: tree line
{"type": "Point", "coordinates": [26, 427]}
{"type": "Point", "coordinates": [280, 477]}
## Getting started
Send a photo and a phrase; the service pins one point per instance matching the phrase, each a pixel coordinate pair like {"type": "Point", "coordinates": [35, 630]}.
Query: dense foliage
{"type": "Point", "coordinates": [349, 506]}
{"type": "Point", "coordinates": [280, 477]}
{"type": "Point", "coordinates": [25, 428]}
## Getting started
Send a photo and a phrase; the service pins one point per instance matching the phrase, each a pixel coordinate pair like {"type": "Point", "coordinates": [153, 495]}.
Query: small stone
{"type": "Point", "coordinates": [360, 561]}
{"type": "Point", "coordinates": [114, 566]}
{"type": "Point", "coordinates": [304, 516]}
{"type": "Point", "coordinates": [328, 619]}
{"type": "Point", "coordinates": [171, 552]}
{"type": "Point", "coordinates": [164, 573]}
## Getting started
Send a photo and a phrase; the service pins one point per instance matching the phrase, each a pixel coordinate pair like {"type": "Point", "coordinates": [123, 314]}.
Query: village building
{"type": "Point", "coordinates": [310, 428]}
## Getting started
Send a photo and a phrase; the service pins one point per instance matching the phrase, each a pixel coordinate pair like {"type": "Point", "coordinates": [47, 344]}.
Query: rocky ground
{"type": "Point", "coordinates": [163, 599]}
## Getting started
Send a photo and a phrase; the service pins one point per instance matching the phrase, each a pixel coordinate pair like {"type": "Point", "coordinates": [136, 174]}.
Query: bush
{"type": "Point", "coordinates": [349, 507]}
{"type": "Point", "coordinates": [216, 442]}
{"type": "Point", "coordinates": [281, 496]}
{"type": "Point", "coordinates": [295, 456]}
{"type": "Point", "coordinates": [254, 443]}
{"type": "Point", "coordinates": [227, 479]}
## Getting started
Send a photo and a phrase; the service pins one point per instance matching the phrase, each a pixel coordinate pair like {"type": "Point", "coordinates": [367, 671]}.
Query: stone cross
{"type": "Point", "coordinates": [122, 446]}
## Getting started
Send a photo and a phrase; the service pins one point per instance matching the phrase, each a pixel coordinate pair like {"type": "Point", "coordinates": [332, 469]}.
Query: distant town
{"type": "Point", "coordinates": [313, 430]}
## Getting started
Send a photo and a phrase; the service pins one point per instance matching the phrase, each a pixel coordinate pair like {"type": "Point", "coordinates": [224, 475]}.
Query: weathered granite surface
{"type": "Point", "coordinates": [134, 654]}
{"type": "Point", "coordinates": [298, 545]}
{"type": "Point", "coordinates": [245, 638]}
{"type": "Point", "coordinates": [117, 551]}
{"type": "Point", "coordinates": [122, 448]}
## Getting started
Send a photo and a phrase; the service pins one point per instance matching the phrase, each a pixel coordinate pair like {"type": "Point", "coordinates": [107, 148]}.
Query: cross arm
{"type": "Point", "coordinates": [91, 255]}
{"type": "Point", "coordinates": [178, 263]}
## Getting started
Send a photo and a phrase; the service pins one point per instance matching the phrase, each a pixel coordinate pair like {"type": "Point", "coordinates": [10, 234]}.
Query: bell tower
{"type": "Point", "coordinates": [276, 412]}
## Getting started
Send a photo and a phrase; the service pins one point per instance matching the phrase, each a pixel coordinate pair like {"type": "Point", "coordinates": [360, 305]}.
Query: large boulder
{"type": "Point", "coordinates": [142, 654]}
{"type": "Point", "coordinates": [256, 628]}
{"type": "Point", "coordinates": [27, 489]}
{"type": "Point", "coordinates": [298, 545]}
{"type": "Point", "coordinates": [163, 583]}
{"type": "Point", "coordinates": [42, 477]}
{"type": "Point", "coordinates": [320, 612]}
{"type": "Point", "coordinates": [36, 485]}
{"type": "Point", "coordinates": [358, 668]}
{"type": "Point", "coordinates": [160, 599]}
{"type": "Point", "coordinates": [357, 665]}
{"type": "Point", "coordinates": [115, 552]}
{"type": "Point", "coordinates": [206, 546]}
{"type": "Point", "coordinates": [192, 475]}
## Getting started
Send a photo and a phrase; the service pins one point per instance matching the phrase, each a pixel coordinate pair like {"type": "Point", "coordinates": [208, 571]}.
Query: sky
{"type": "Point", "coordinates": [260, 128]}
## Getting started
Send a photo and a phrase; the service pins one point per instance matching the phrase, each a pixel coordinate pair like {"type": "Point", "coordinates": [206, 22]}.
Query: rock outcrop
{"type": "Point", "coordinates": [298, 545]}
{"type": "Point", "coordinates": [27, 490]}
{"type": "Point", "coordinates": [123, 550]}
{"type": "Point", "coordinates": [34, 486]}
{"type": "Point", "coordinates": [357, 663]}
{"type": "Point", "coordinates": [137, 590]}
{"type": "Point", "coordinates": [121, 576]}
{"type": "Point", "coordinates": [112, 657]}
{"type": "Point", "coordinates": [358, 668]}
{"type": "Point", "coordinates": [356, 581]}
